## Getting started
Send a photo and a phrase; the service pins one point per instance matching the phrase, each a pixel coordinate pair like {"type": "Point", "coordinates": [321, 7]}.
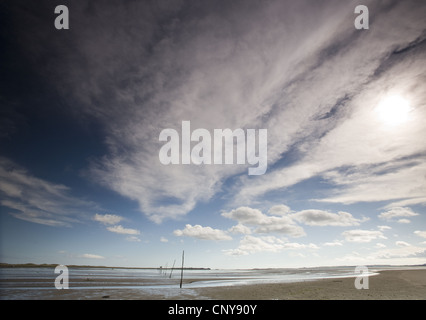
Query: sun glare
{"type": "Point", "coordinates": [393, 110]}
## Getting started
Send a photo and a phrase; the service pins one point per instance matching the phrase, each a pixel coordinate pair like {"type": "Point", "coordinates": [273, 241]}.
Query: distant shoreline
{"type": "Point", "coordinates": [54, 265]}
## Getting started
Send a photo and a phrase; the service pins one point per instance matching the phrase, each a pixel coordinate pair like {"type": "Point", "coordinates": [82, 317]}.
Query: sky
{"type": "Point", "coordinates": [82, 110]}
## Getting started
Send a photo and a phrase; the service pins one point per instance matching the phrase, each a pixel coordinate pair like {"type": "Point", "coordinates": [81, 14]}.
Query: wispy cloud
{"type": "Point", "coordinates": [402, 244]}
{"type": "Point", "coordinates": [91, 256]}
{"type": "Point", "coordinates": [333, 244]}
{"type": "Point", "coordinates": [119, 229]}
{"type": "Point", "coordinates": [398, 212]}
{"type": "Point", "coordinates": [420, 233]}
{"type": "Point", "coordinates": [112, 220]}
{"type": "Point", "coordinates": [133, 239]}
{"type": "Point", "coordinates": [362, 236]}
{"type": "Point", "coordinates": [325, 218]}
{"type": "Point", "coordinates": [349, 146]}
{"type": "Point", "coordinates": [297, 68]}
{"type": "Point", "coordinates": [107, 218]}
{"type": "Point", "coordinates": [36, 200]}
{"type": "Point", "coordinates": [402, 252]}
{"type": "Point", "coordinates": [191, 67]}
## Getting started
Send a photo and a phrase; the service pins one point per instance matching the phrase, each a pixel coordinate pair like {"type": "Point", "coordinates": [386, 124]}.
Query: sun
{"type": "Point", "coordinates": [393, 110]}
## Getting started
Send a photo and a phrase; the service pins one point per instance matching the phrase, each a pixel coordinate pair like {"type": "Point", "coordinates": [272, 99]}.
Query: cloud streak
{"type": "Point", "coordinates": [349, 146]}
{"type": "Point", "coordinates": [112, 220]}
{"type": "Point", "coordinates": [92, 256]}
{"type": "Point", "coordinates": [398, 212]}
{"type": "Point", "coordinates": [362, 236]}
{"type": "Point", "coordinates": [39, 201]}
{"type": "Point", "coordinates": [120, 230]}
{"type": "Point", "coordinates": [107, 218]}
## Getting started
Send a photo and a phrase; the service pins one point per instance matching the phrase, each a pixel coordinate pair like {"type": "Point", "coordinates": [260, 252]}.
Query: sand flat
{"type": "Point", "coordinates": [395, 284]}
{"type": "Point", "coordinates": [387, 285]}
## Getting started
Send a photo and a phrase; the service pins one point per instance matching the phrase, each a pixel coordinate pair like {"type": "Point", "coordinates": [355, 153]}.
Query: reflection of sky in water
{"type": "Point", "coordinates": [95, 283]}
{"type": "Point", "coordinates": [36, 283]}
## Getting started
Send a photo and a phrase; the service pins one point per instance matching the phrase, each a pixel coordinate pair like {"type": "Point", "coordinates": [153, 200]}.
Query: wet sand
{"type": "Point", "coordinates": [388, 285]}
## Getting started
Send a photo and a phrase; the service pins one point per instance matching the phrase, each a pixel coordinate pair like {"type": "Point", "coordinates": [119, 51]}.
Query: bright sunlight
{"type": "Point", "coordinates": [393, 110]}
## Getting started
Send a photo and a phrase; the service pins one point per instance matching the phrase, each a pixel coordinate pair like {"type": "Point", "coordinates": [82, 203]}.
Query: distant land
{"type": "Point", "coordinates": [53, 265]}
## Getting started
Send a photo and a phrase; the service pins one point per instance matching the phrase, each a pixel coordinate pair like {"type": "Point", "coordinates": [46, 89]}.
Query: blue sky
{"type": "Point", "coordinates": [82, 110]}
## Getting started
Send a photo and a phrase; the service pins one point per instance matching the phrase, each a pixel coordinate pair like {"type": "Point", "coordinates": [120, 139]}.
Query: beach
{"type": "Point", "coordinates": [303, 284]}
{"type": "Point", "coordinates": [387, 285]}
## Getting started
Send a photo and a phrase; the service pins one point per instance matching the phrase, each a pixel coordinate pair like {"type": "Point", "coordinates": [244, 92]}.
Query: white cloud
{"type": "Point", "coordinates": [107, 218]}
{"type": "Point", "coordinates": [92, 256]}
{"type": "Point", "coordinates": [403, 253]}
{"type": "Point", "coordinates": [324, 218]}
{"type": "Point", "coordinates": [163, 239]}
{"type": "Point", "coordinates": [380, 245]}
{"type": "Point", "coordinates": [407, 202]}
{"type": "Point", "coordinates": [335, 243]}
{"type": "Point", "coordinates": [251, 244]}
{"type": "Point", "coordinates": [265, 223]}
{"type": "Point", "coordinates": [403, 250]}
{"type": "Point", "coordinates": [282, 220]}
{"type": "Point", "coordinates": [119, 229]}
{"type": "Point", "coordinates": [133, 239]}
{"type": "Point", "coordinates": [240, 228]}
{"type": "Point", "coordinates": [371, 183]}
{"type": "Point", "coordinates": [398, 212]}
{"type": "Point", "coordinates": [362, 235]}
{"type": "Point", "coordinates": [110, 219]}
{"type": "Point", "coordinates": [420, 233]}
{"type": "Point", "coordinates": [357, 153]}
{"type": "Point", "coordinates": [403, 221]}
{"type": "Point", "coordinates": [402, 244]}
{"type": "Point", "coordinates": [204, 233]}
{"type": "Point", "coordinates": [383, 228]}
{"type": "Point", "coordinates": [279, 210]}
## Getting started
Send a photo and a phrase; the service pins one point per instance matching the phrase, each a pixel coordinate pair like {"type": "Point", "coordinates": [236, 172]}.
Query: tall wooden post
{"type": "Point", "coordinates": [181, 272]}
{"type": "Point", "coordinates": [172, 269]}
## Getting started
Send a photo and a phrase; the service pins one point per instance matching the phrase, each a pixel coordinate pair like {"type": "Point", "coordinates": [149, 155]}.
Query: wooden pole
{"type": "Point", "coordinates": [172, 269]}
{"type": "Point", "coordinates": [181, 272]}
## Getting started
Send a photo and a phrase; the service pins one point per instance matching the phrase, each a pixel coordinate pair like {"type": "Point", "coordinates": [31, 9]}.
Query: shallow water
{"type": "Point", "coordinates": [95, 283]}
